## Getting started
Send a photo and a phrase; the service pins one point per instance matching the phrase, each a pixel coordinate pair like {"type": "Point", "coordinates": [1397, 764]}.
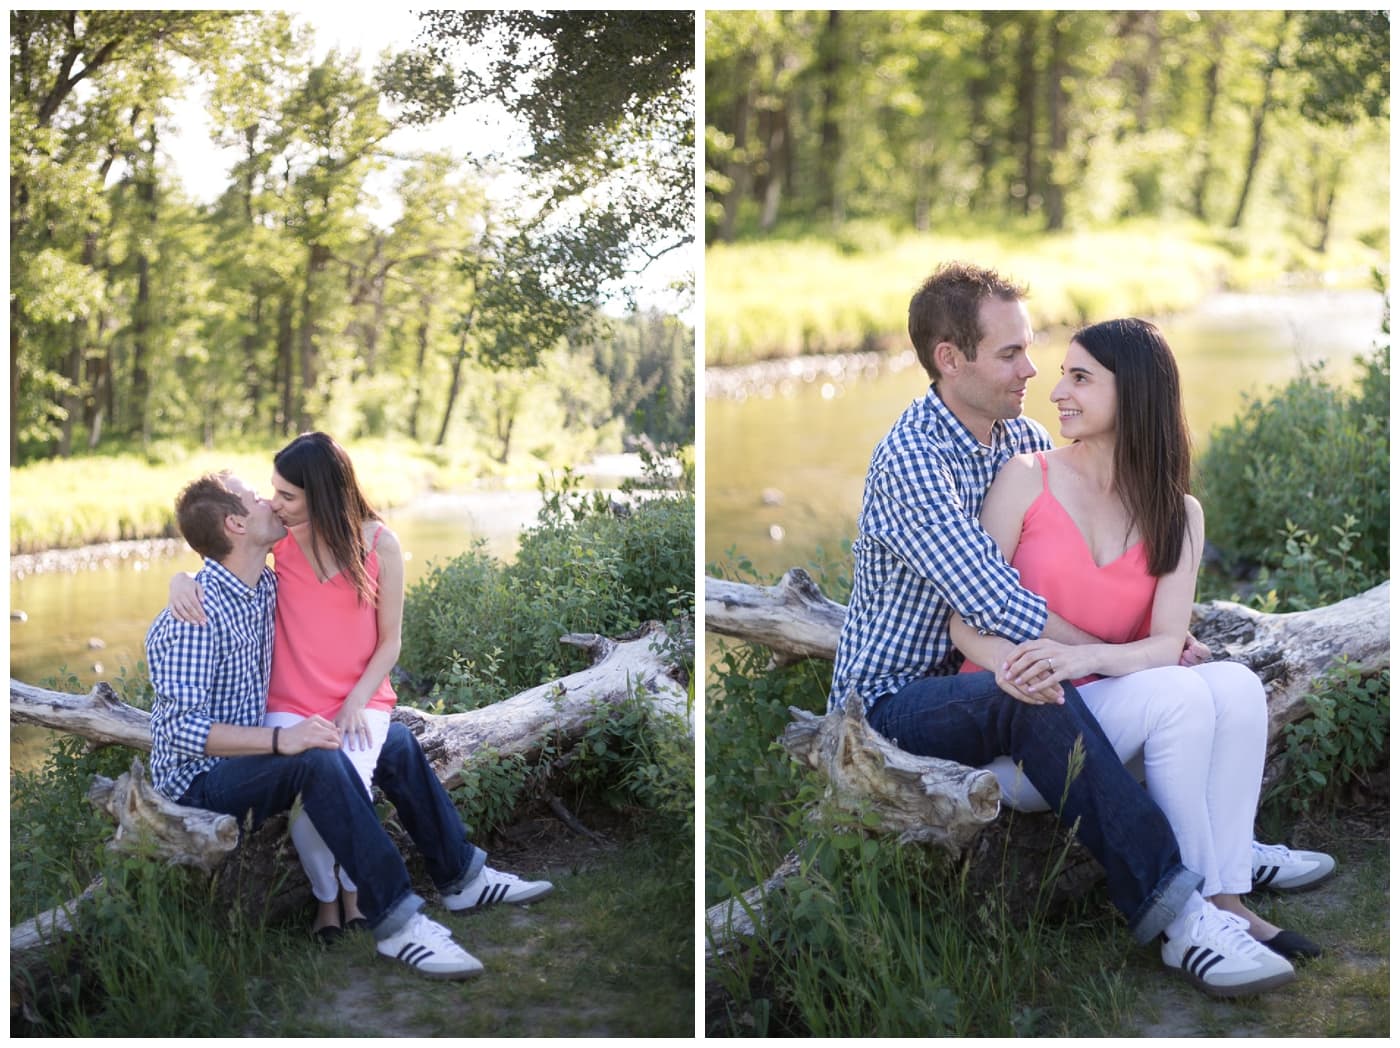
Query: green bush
{"type": "Point", "coordinates": [1308, 463]}
{"type": "Point", "coordinates": [476, 631]}
{"type": "Point", "coordinates": [1346, 736]}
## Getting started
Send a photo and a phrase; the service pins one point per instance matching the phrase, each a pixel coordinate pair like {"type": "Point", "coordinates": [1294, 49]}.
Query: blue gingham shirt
{"type": "Point", "coordinates": [922, 553]}
{"type": "Point", "coordinates": [212, 674]}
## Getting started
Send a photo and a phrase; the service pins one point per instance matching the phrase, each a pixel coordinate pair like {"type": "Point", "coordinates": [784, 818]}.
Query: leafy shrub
{"type": "Point", "coordinates": [1346, 736]}
{"type": "Point", "coordinates": [476, 631]}
{"type": "Point", "coordinates": [1309, 462]}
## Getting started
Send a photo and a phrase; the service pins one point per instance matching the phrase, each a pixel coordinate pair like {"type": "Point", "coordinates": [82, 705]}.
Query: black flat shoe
{"type": "Point", "coordinates": [1293, 946]}
{"type": "Point", "coordinates": [327, 934]}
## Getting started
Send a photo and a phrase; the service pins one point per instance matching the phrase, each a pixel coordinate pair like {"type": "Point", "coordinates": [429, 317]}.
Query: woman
{"type": "Point", "coordinates": [1106, 530]}
{"type": "Point", "coordinates": [340, 581]}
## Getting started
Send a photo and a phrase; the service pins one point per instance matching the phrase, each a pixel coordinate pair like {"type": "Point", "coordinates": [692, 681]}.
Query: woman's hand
{"type": "Point", "coordinates": [354, 729]}
{"type": "Point", "coordinates": [187, 599]}
{"type": "Point", "coordinates": [1037, 664]}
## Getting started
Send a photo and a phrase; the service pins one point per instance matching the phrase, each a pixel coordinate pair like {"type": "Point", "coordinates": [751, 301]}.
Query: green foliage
{"type": "Point", "coordinates": [1062, 119]}
{"type": "Point", "coordinates": [864, 919]}
{"type": "Point", "coordinates": [476, 631]}
{"type": "Point", "coordinates": [49, 866]}
{"type": "Point", "coordinates": [634, 756]}
{"type": "Point", "coordinates": [1307, 463]}
{"type": "Point", "coordinates": [492, 788]}
{"type": "Point", "coordinates": [1345, 737]}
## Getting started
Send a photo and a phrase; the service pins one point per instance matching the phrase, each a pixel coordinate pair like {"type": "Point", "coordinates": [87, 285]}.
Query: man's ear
{"type": "Point", "coordinates": [235, 524]}
{"type": "Point", "coordinates": [948, 358]}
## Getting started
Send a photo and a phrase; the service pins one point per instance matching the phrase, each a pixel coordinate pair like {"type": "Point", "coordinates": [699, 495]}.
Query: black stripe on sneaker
{"type": "Point", "coordinates": [1266, 875]}
{"type": "Point", "coordinates": [1198, 961]}
{"type": "Point", "coordinates": [414, 954]}
{"type": "Point", "coordinates": [482, 898]}
{"type": "Point", "coordinates": [498, 892]}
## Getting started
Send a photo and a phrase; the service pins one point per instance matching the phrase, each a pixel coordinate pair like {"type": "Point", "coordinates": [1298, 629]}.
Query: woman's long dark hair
{"type": "Point", "coordinates": [1152, 455]}
{"type": "Point", "coordinates": [335, 505]}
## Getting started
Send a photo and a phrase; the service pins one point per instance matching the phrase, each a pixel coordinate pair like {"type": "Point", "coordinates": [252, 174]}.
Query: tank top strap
{"type": "Point", "coordinates": [374, 542]}
{"type": "Point", "coordinates": [1044, 471]}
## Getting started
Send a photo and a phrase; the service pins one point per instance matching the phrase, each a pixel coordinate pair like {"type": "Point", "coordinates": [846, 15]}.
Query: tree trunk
{"type": "Point", "coordinates": [1207, 169]}
{"type": "Point", "coordinates": [1257, 123]}
{"type": "Point", "coordinates": [147, 823]}
{"type": "Point", "coordinates": [308, 355]}
{"type": "Point", "coordinates": [1056, 163]}
{"type": "Point", "coordinates": [453, 386]}
{"type": "Point", "coordinates": [1287, 651]}
{"type": "Point", "coordinates": [740, 166]}
{"type": "Point", "coordinates": [286, 413]}
{"type": "Point", "coordinates": [422, 359]}
{"type": "Point", "coordinates": [1025, 108]}
{"type": "Point", "coordinates": [828, 168]}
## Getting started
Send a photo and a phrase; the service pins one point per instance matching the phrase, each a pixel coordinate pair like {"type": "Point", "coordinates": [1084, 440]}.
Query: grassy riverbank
{"type": "Point", "coordinates": [62, 503]}
{"type": "Point", "coordinates": [832, 294]}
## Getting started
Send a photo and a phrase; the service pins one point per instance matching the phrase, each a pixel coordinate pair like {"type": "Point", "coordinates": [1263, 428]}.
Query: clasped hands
{"type": "Point", "coordinates": [1032, 670]}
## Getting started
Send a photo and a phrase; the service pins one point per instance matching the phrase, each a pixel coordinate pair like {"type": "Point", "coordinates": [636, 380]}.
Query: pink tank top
{"type": "Point", "coordinates": [323, 638]}
{"type": "Point", "coordinates": [1113, 602]}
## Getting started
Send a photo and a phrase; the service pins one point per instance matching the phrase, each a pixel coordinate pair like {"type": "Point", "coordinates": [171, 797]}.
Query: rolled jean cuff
{"type": "Point", "coordinates": [397, 915]}
{"type": "Point", "coordinates": [474, 866]}
{"type": "Point", "coordinates": [1164, 904]}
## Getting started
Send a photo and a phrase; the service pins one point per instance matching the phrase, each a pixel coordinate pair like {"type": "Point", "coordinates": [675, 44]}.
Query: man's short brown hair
{"type": "Point", "coordinates": [200, 510]}
{"type": "Point", "coordinates": [945, 309]}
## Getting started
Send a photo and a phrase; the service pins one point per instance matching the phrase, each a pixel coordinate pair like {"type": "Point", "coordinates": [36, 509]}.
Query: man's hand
{"type": "Point", "coordinates": [1193, 653]}
{"type": "Point", "coordinates": [314, 733]}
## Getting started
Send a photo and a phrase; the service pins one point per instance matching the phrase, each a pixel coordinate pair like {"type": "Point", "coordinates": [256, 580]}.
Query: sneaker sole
{"type": "Point", "coordinates": [454, 976]}
{"type": "Point", "coordinates": [1269, 982]}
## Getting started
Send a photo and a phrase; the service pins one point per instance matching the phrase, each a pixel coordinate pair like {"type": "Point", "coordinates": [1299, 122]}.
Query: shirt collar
{"type": "Point", "coordinates": [960, 434]}
{"type": "Point", "coordinates": [218, 575]}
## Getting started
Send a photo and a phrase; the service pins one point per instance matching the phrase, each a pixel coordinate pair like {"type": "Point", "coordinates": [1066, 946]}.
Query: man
{"type": "Point", "coordinates": [209, 748]}
{"type": "Point", "coordinates": [921, 554]}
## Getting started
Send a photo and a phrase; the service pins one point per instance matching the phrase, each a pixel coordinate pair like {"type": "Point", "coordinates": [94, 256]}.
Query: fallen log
{"type": "Point", "coordinates": [1288, 651]}
{"type": "Point", "coordinates": [261, 874]}
{"type": "Point", "coordinates": [955, 807]}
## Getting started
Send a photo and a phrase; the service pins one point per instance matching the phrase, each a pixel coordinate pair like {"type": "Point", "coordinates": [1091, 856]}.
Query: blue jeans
{"type": "Point", "coordinates": [967, 718]}
{"type": "Point", "coordinates": [335, 799]}
{"type": "Point", "coordinates": [426, 811]}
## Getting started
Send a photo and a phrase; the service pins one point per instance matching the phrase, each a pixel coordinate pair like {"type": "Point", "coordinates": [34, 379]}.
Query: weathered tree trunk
{"type": "Point", "coordinates": [955, 807]}
{"type": "Point", "coordinates": [262, 875]}
{"type": "Point", "coordinates": [1288, 651]}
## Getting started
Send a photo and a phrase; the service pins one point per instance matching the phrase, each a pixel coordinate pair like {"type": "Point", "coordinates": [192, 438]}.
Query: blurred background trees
{"type": "Point", "coordinates": [1064, 118]}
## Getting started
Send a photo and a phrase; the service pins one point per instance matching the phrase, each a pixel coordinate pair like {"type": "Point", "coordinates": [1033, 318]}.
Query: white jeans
{"type": "Point", "coordinates": [1198, 736]}
{"type": "Point", "coordinates": [316, 858]}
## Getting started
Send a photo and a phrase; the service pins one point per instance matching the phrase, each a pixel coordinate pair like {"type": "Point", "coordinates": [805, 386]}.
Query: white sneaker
{"type": "Point", "coordinates": [428, 948]}
{"type": "Point", "coordinates": [1218, 954]}
{"type": "Point", "coordinates": [490, 886]}
{"type": "Point", "coordinates": [1281, 869]}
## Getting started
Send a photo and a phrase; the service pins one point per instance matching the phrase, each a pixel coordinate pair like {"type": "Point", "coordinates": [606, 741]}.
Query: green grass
{"type": "Point", "coordinates": [609, 953]}
{"type": "Point", "coordinates": [895, 944]}
{"type": "Point", "coordinates": [782, 298]}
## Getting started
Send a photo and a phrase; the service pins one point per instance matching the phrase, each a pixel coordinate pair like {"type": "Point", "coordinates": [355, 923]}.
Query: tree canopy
{"type": "Point", "coordinates": [1053, 118]}
{"type": "Point", "coordinates": [140, 315]}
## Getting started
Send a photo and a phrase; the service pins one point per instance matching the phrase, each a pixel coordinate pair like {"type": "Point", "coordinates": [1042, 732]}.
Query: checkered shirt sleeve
{"type": "Point", "coordinates": [211, 674]}
{"type": "Point", "coordinates": [921, 553]}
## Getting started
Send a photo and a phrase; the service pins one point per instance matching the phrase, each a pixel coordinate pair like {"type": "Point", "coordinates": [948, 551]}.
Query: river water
{"type": "Point", "coordinates": [90, 616]}
{"type": "Point", "coordinates": [787, 445]}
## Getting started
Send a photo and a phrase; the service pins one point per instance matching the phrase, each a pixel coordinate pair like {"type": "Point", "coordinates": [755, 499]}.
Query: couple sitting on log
{"type": "Point", "coordinates": [273, 684]}
{"type": "Point", "coordinates": [1084, 632]}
